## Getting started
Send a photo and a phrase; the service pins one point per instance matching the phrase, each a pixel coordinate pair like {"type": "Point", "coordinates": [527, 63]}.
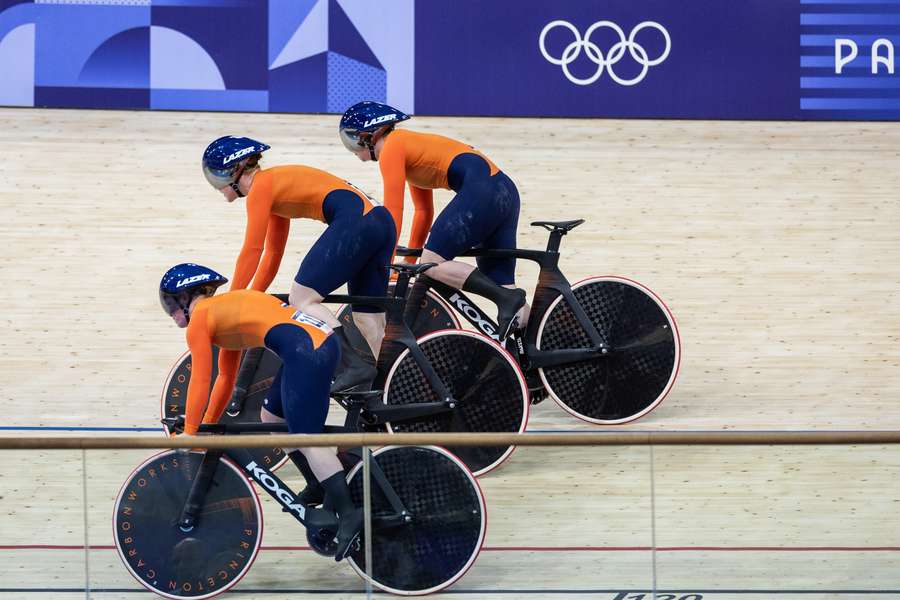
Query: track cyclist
{"type": "Point", "coordinates": [355, 248]}
{"type": "Point", "coordinates": [484, 213]}
{"type": "Point", "coordinates": [242, 319]}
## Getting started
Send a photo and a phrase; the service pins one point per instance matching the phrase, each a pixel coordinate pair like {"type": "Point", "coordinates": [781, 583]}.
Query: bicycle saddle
{"type": "Point", "coordinates": [411, 269]}
{"type": "Point", "coordinates": [563, 226]}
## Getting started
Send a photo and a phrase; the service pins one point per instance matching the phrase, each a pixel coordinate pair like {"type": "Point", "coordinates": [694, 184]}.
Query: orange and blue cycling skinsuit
{"type": "Point", "coordinates": [355, 248]}
{"type": "Point", "coordinates": [248, 319]}
{"type": "Point", "coordinates": [483, 214]}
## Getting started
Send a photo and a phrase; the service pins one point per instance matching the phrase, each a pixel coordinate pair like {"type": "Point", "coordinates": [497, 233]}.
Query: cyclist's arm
{"type": "Point", "coordinates": [221, 393]}
{"type": "Point", "coordinates": [259, 205]}
{"type": "Point", "coordinates": [392, 162]}
{"type": "Point", "coordinates": [200, 345]}
{"type": "Point", "coordinates": [276, 239]}
{"type": "Point", "coordinates": [422, 217]}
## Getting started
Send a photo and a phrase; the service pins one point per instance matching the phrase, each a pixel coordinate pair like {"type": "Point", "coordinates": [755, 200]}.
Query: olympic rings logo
{"type": "Point", "coordinates": [614, 55]}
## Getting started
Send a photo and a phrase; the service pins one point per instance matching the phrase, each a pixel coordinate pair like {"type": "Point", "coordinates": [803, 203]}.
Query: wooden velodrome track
{"type": "Point", "coordinates": [774, 244]}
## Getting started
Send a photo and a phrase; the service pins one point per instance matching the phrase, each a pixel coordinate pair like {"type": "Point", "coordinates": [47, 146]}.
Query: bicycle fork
{"type": "Point", "coordinates": [200, 486]}
{"type": "Point", "coordinates": [376, 412]}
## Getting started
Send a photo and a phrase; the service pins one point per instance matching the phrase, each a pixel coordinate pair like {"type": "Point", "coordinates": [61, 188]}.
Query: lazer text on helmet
{"type": "Point", "coordinates": [194, 279]}
{"type": "Point", "coordinates": [240, 153]}
{"type": "Point", "coordinates": [380, 119]}
{"type": "Point", "coordinates": [611, 57]}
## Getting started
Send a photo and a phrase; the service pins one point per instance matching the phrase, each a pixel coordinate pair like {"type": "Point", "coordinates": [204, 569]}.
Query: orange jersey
{"type": "Point", "coordinates": [233, 321]}
{"type": "Point", "coordinates": [421, 160]}
{"type": "Point", "coordinates": [276, 196]}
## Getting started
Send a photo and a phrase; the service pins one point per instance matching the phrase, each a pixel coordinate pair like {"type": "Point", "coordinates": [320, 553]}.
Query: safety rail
{"type": "Point", "coordinates": [619, 438]}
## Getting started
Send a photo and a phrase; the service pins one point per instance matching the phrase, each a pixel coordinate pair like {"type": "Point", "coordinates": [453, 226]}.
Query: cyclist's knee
{"type": "Point", "coordinates": [267, 416]}
{"type": "Point", "coordinates": [303, 297]}
{"type": "Point", "coordinates": [429, 256]}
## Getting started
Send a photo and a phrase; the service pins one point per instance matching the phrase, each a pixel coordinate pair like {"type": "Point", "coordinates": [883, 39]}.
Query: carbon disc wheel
{"type": "Point", "coordinates": [486, 382]}
{"type": "Point", "coordinates": [446, 527]}
{"type": "Point", "coordinates": [203, 562]}
{"type": "Point", "coordinates": [643, 357]}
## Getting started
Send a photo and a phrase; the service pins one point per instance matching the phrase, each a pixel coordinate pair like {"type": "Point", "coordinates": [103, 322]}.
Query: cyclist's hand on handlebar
{"type": "Point", "coordinates": [173, 425]}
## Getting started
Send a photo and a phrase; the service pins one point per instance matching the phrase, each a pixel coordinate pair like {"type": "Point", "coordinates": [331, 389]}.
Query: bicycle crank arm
{"type": "Point", "coordinates": [393, 521]}
{"type": "Point", "coordinates": [407, 412]}
{"type": "Point", "coordinates": [553, 358]}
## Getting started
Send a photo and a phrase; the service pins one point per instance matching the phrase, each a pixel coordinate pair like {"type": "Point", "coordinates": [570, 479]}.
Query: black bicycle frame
{"type": "Point", "coordinates": [397, 338]}
{"type": "Point", "coordinates": [275, 487]}
{"type": "Point", "coordinates": [551, 283]}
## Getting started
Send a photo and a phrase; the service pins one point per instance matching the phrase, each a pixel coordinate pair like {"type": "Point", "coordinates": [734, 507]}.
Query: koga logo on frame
{"type": "Point", "coordinates": [473, 315]}
{"type": "Point", "coordinates": [286, 498]}
{"type": "Point", "coordinates": [604, 60]}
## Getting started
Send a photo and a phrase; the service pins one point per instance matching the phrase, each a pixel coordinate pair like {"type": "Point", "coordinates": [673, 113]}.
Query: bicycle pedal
{"type": "Point", "coordinates": [538, 395]}
{"type": "Point", "coordinates": [355, 545]}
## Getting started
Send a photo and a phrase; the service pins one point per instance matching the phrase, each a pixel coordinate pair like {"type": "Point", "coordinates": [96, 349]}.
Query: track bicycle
{"type": "Point", "coordinates": [189, 524]}
{"type": "Point", "coordinates": [606, 349]}
{"type": "Point", "coordinates": [450, 380]}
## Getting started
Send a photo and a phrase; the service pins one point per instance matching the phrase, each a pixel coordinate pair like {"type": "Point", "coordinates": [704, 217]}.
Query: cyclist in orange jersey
{"type": "Point", "coordinates": [355, 248]}
{"type": "Point", "coordinates": [484, 213]}
{"type": "Point", "coordinates": [309, 353]}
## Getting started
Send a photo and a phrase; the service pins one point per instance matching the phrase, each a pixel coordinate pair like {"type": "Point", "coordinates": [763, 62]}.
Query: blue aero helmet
{"type": "Point", "coordinates": [223, 158]}
{"type": "Point", "coordinates": [361, 122]}
{"type": "Point", "coordinates": [183, 282]}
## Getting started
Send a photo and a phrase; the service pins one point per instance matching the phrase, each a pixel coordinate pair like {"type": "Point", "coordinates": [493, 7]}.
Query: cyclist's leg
{"type": "Point", "coordinates": [315, 278]}
{"type": "Point", "coordinates": [378, 232]}
{"type": "Point", "coordinates": [272, 411]}
{"type": "Point", "coordinates": [503, 270]}
{"type": "Point", "coordinates": [480, 207]}
{"type": "Point", "coordinates": [333, 258]}
{"type": "Point", "coordinates": [309, 300]}
{"type": "Point", "coordinates": [339, 253]}
{"type": "Point", "coordinates": [306, 382]}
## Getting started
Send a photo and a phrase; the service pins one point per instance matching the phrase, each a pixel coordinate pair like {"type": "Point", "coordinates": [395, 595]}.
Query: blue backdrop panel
{"type": "Point", "coordinates": [84, 97]}
{"type": "Point", "coordinates": [299, 86]}
{"type": "Point", "coordinates": [233, 34]}
{"type": "Point", "coordinates": [224, 100]}
{"type": "Point", "coordinates": [719, 54]}
{"type": "Point", "coordinates": [351, 81]}
{"type": "Point", "coordinates": [847, 62]}
{"type": "Point", "coordinates": [754, 59]}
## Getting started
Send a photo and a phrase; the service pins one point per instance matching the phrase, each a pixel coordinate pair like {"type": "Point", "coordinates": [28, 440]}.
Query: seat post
{"type": "Point", "coordinates": [401, 284]}
{"type": "Point", "coordinates": [555, 240]}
